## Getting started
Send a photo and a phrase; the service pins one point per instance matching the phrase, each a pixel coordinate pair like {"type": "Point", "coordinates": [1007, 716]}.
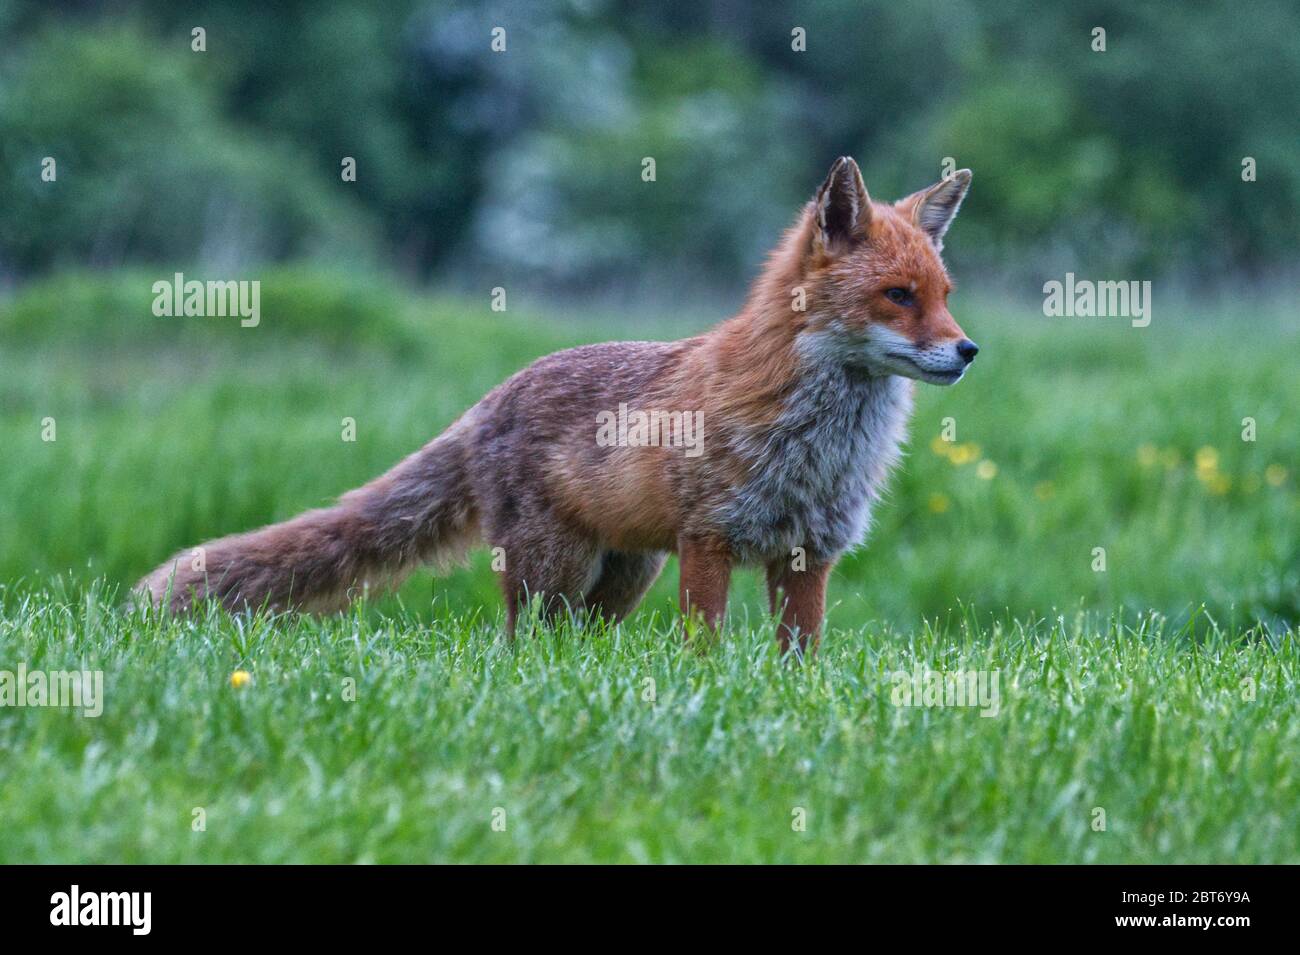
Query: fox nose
{"type": "Point", "coordinates": [967, 349]}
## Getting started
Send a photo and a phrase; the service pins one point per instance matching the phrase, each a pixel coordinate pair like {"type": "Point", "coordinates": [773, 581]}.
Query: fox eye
{"type": "Point", "coordinates": [899, 296]}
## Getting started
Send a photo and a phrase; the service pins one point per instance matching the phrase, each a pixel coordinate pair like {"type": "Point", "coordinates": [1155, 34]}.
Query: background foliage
{"type": "Point", "coordinates": [523, 166]}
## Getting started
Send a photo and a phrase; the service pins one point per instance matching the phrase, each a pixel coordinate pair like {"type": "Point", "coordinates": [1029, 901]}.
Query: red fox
{"type": "Point", "coordinates": [798, 405]}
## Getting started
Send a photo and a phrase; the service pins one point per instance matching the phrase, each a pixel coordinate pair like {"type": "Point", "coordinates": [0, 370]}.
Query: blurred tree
{"type": "Point", "coordinates": [526, 163]}
{"type": "Point", "coordinates": [146, 166]}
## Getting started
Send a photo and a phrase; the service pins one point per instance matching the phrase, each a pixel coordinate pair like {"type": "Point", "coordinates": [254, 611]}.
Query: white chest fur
{"type": "Point", "coordinates": [815, 474]}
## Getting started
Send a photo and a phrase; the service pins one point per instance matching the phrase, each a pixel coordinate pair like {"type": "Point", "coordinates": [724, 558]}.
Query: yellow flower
{"type": "Point", "coordinates": [1219, 484]}
{"type": "Point", "coordinates": [986, 470]}
{"type": "Point", "coordinates": [1148, 455]}
{"type": "Point", "coordinates": [1275, 474]}
{"type": "Point", "coordinates": [964, 453]}
{"type": "Point", "coordinates": [240, 678]}
{"type": "Point", "coordinates": [940, 447]}
{"type": "Point", "coordinates": [1044, 490]}
{"type": "Point", "coordinates": [1207, 459]}
{"type": "Point", "coordinates": [938, 503]}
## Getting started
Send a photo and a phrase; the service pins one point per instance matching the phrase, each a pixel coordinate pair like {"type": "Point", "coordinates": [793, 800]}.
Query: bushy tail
{"type": "Point", "coordinates": [421, 511]}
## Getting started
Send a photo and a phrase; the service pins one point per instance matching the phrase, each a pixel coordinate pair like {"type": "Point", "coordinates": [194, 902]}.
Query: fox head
{"type": "Point", "coordinates": [876, 288]}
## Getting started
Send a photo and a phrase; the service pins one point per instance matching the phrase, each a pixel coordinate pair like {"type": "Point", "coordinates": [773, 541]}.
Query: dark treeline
{"type": "Point", "coordinates": [528, 162]}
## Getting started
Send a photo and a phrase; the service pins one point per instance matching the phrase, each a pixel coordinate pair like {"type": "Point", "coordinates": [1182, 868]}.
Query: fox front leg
{"type": "Point", "coordinates": [800, 597]}
{"type": "Point", "coordinates": [705, 573]}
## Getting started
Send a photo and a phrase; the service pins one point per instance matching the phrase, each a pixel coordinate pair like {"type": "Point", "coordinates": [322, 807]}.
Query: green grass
{"type": "Point", "coordinates": [450, 724]}
{"type": "Point", "coordinates": [1129, 689]}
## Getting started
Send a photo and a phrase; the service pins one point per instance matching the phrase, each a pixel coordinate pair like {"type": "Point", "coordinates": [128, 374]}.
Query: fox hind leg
{"type": "Point", "coordinates": [624, 579]}
{"type": "Point", "coordinates": [558, 567]}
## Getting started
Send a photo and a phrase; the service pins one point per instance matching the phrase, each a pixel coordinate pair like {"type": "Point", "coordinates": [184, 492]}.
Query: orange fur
{"type": "Point", "coordinates": [802, 411]}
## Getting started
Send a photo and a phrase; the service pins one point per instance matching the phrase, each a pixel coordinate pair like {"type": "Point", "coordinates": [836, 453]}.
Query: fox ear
{"type": "Point", "coordinates": [934, 209]}
{"type": "Point", "coordinates": [842, 208]}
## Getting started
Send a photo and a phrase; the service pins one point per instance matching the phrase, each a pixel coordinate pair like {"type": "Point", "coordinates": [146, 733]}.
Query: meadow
{"type": "Point", "coordinates": [1105, 530]}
